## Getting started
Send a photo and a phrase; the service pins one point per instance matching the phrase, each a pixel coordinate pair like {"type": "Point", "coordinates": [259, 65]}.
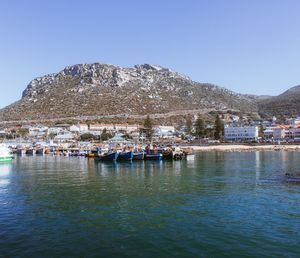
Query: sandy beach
{"type": "Point", "coordinates": [238, 148]}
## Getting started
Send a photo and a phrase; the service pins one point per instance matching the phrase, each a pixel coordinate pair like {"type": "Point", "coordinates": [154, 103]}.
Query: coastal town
{"type": "Point", "coordinates": [149, 129]}
{"type": "Point", "coordinates": [225, 133]}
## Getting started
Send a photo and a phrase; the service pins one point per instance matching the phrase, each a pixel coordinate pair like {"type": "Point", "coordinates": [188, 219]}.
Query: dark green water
{"type": "Point", "coordinates": [218, 205]}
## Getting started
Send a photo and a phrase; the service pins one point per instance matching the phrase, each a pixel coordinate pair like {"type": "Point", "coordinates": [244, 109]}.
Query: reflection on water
{"type": "Point", "coordinates": [215, 205]}
{"type": "Point", "coordinates": [257, 165]}
{"type": "Point", "coordinates": [5, 168]}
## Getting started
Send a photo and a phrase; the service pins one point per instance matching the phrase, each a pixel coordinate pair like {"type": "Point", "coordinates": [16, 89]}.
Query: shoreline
{"type": "Point", "coordinates": [241, 148]}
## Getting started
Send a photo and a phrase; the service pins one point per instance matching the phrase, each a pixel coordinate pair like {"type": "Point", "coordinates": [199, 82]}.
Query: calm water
{"type": "Point", "coordinates": [218, 205]}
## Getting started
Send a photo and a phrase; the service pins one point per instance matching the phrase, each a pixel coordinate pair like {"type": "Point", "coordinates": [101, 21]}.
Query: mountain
{"type": "Point", "coordinates": [285, 104]}
{"type": "Point", "coordinates": [86, 90]}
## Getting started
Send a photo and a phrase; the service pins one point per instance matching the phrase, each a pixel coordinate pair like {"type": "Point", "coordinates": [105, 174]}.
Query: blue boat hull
{"type": "Point", "coordinates": [107, 157]}
{"type": "Point", "coordinates": [138, 156]}
{"type": "Point", "coordinates": [125, 156]}
{"type": "Point", "coordinates": [158, 156]}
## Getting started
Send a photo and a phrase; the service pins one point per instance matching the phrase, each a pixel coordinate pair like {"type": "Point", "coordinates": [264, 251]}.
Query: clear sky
{"type": "Point", "coordinates": [246, 46]}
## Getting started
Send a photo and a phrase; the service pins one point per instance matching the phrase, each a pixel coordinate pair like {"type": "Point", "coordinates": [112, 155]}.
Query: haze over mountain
{"type": "Point", "coordinates": [101, 90]}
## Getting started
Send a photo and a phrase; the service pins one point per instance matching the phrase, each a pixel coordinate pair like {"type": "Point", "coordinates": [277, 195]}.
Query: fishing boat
{"type": "Point", "coordinates": [39, 151]}
{"type": "Point", "coordinates": [82, 153]}
{"type": "Point", "coordinates": [90, 155]}
{"type": "Point", "coordinates": [29, 151]}
{"type": "Point", "coordinates": [153, 156]}
{"type": "Point", "coordinates": [5, 153]}
{"type": "Point", "coordinates": [47, 151]}
{"type": "Point", "coordinates": [125, 156]}
{"type": "Point", "coordinates": [109, 156]}
{"type": "Point", "coordinates": [168, 155]}
{"type": "Point", "coordinates": [178, 154]}
{"type": "Point", "coordinates": [20, 151]}
{"type": "Point", "coordinates": [138, 156]}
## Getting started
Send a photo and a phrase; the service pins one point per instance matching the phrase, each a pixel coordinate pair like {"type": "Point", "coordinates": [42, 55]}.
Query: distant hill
{"type": "Point", "coordinates": [286, 104]}
{"type": "Point", "coordinates": [85, 90]}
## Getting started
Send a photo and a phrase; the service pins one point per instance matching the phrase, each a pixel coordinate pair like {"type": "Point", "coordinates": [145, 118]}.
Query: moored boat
{"type": "Point", "coordinates": [29, 151]}
{"type": "Point", "coordinates": [90, 155]}
{"type": "Point", "coordinates": [5, 153]}
{"type": "Point", "coordinates": [168, 155]}
{"type": "Point", "coordinates": [47, 151]}
{"type": "Point", "coordinates": [178, 154]}
{"type": "Point", "coordinates": [110, 156]}
{"type": "Point", "coordinates": [138, 156]}
{"type": "Point", "coordinates": [125, 156]}
{"type": "Point", "coordinates": [152, 156]}
{"type": "Point", "coordinates": [20, 151]}
{"type": "Point", "coordinates": [39, 151]}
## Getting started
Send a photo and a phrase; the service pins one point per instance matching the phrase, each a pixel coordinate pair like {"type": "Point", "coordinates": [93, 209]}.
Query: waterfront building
{"type": "Point", "coordinates": [294, 122]}
{"type": "Point", "coordinates": [268, 132]}
{"type": "Point", "coordinates": [295, 133]}
{"type": "Point", "coordinates": [279, 133]}
{"type": "Point", "coordinates": [249, 133]}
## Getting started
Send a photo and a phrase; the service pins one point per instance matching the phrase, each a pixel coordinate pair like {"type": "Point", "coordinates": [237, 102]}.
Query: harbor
{"type": "Point", "coordinates": [117, 208]}
{"type": "Point", "coordinates": [107, 152]}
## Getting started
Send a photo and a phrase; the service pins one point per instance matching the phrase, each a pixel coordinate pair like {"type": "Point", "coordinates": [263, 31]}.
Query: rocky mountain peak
{"type": "Point", "coordinates": [104, 75]}
{"type": "Point", "coordinates": [102, 89]}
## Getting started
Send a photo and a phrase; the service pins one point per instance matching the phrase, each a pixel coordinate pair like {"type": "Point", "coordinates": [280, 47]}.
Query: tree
{"type": "Point", "coordinates": [87, 137]}
{"type": "Point", "coordinates": [261, 131]}
{"type": "Point", "coordinates": [188, 124]}
{"type": "Point", "coordinates": [23, 132]}
{"type": "Point", "coordinates": [199, 127]}
{"type": "Point", "coordinates": [219, 128]}
{"type": "Point", "coordinates": [105, 135]}
{"type": "Point", "coordinates": [148, 127]}
{"type": "Point", "coordinates": [51, 135]}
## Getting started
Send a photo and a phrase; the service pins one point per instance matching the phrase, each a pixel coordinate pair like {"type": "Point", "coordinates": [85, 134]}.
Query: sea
{"type": "Point", "coordinates": [214, 204]}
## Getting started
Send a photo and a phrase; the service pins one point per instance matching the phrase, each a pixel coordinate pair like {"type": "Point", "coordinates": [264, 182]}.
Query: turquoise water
{"type": "Point", "coordinates": [217, 205]}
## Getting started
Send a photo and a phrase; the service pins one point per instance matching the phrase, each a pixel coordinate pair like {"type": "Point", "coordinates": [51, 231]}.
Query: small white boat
{"type": "Point", "coordinates": [5, 153]}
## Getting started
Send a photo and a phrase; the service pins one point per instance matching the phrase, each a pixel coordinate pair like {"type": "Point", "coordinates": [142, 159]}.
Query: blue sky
{"type": "Point", "coordinates": [246, 46]}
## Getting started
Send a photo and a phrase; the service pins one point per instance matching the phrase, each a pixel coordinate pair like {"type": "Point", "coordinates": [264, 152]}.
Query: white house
{"type": "Point", "coordinates": [164, 130]}
{"type": "Point", "coordinates": [74, 129]}
{"type": "Point", "coordinates": [55, 130]}
{"type": "Point", "coordinates": [38, 131]}
{"type": "Point", "coordinates": [249, 133]}
{"type": "Point", "coordinates": [101, 127]}
{"type": "Point", "coordinates": [64, 137]}
{"type": "Point", "coordinates": [3, 133]}
{"type": "Point", "coordinates": [295, 133]}
{"type": "Point", "coordinates": [278, 133]}
{"type": "Point", "coordinates": [83, 128]}
{"type": "Point", "coordinates": [126, 127]}
{"type": "Point", "coordinates": [114, 127]}
{"type": "Point", "coordinates": [294, 122]}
